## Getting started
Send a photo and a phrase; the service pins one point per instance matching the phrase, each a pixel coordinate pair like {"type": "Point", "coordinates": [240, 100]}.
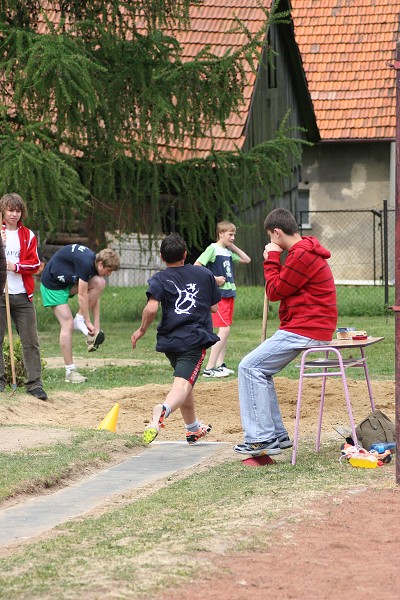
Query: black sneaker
{"type": "Point", "coordinates": [94, 341]}
{"type": "Point", "coordinates": [285, 441]}
{"type": "Point", "coordinates": [38, 393]}
{"type": "Point", "coordinates": [259, 448]}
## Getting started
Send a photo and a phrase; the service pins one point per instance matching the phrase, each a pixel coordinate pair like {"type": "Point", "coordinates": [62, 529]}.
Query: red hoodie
{"type": "Point", "coordinates": [305, 287]}
{"type": "Point", "coordinates": [29, 261]}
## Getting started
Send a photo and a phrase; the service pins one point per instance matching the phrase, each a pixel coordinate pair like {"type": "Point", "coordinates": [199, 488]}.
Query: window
{"type": "Point", "coordinates": [303, 209]}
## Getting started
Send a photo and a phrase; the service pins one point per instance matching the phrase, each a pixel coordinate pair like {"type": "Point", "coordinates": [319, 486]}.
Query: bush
{"type": "Point", "coordinates": [18, 360]}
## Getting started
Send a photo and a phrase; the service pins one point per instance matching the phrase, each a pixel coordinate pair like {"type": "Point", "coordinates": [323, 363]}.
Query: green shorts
{"type": "Point", "coordinates": [54, 297]}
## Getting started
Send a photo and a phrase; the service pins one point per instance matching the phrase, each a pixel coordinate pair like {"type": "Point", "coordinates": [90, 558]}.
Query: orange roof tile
{"type": "Point", "coordinates": [346, 46]}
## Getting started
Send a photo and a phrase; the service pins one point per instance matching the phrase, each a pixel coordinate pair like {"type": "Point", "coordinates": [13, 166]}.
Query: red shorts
{"type": "Point", "coordinates": [224, 316]}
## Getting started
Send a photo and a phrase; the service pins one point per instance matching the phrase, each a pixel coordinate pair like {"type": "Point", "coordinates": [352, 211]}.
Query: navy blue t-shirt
{"type": "Point", "coordinates": [186, 294]}
{"type": "Point", "coordinates": [67, 265]}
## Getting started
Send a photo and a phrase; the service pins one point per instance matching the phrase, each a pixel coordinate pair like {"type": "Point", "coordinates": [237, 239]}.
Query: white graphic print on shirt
{"type": "Point", "coordinates": [186, 298]}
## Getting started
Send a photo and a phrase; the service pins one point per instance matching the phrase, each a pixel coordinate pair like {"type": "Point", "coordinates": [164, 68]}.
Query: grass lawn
{"type": "Point", "coordinates": [145, 544]}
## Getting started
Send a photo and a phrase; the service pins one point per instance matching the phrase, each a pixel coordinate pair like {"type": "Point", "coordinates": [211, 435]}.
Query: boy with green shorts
{"type": "Point", "coordinates": [75, 269]}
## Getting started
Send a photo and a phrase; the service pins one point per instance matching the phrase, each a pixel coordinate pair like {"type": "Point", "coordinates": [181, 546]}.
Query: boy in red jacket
{"type": "Point", "coordinates": [306, 290]}
{"type": "Point", "coordinates": [22, 263]}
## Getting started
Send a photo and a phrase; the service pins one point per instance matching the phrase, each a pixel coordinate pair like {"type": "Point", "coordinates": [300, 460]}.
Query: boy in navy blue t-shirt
{"type": "Point", "coordinates": [75, 269]}
{"type": "Point", "coordinates": [187, 295]}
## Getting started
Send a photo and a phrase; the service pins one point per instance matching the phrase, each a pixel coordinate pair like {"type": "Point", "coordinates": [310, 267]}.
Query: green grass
{"type": "Point", "coordinates": [126, 304]}
{"type": "Point", "coordinates": [153, 543]}
{"type": "Point", "coordinates": [44, 467]}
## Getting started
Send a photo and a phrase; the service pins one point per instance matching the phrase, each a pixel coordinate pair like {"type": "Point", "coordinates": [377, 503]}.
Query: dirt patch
{"type": "Point", "coordinates": [14, 439]}
{"type": "Point", "coordinates": [216, 401]}
{"type": "Point", "coordinates": [321, 557]}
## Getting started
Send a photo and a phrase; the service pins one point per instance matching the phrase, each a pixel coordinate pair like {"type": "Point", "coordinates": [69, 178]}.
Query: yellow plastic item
{"type": "Point", "coordinates": [110, 420]}
{"type": "Point", "coordinates": [366, 461]}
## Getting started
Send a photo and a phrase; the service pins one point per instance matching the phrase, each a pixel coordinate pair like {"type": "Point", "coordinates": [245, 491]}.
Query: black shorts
{"type": "Point", "coordinates": [187, 364]}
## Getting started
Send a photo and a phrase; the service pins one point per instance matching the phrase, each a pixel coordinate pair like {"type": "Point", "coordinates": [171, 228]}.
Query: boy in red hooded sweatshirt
{"type": "Point", "coordinates": [22, 263]}
{"type": "Point", "coordinates": [306, 290]}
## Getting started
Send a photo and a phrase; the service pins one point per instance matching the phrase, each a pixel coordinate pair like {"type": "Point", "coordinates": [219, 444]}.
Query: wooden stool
{"type": "Point", "coordinates": [330, 368]}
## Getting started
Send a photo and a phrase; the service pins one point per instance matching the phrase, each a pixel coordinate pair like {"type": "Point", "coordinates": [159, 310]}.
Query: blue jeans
{"type": "Point", "coordinates": [259, 408]}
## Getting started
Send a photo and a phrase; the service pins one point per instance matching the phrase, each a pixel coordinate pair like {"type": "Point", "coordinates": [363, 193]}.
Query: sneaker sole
{"type": "Point", "coordinates": [264, 452]}
{"type": "Point", "coordinates": [99, 339]}
{"type": "Point", "coordinates": [150, 434]}
{"type": "Point", "coordinates": [215, 376]}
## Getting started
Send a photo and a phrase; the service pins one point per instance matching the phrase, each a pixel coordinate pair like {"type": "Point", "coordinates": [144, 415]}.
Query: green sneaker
{"type": "Point", "coordinates": [150, 434]}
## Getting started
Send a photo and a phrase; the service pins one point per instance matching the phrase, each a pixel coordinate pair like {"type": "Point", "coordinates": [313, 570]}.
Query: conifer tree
{"type": "Point", "coordinates": [85, 97]}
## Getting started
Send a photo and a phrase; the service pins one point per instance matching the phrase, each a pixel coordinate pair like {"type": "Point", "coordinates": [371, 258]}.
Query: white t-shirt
{"type": "Point", "coordinates": [13, 249]}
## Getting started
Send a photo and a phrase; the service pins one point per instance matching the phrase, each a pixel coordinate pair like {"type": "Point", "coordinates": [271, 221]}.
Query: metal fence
{"type": "Point", "coordinates": [361, 243]}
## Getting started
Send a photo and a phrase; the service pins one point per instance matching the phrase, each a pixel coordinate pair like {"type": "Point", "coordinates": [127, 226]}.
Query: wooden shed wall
{"type": "Point", "coordinates": [274, 95]}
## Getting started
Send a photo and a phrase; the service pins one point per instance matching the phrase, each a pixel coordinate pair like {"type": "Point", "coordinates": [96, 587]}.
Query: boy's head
{"type": "Point", "coordinates": [173, 248]}
{"type": "Point", "coordinates": [106, 262]}
{"type": "Point", "coordinates": [280, 218]}
{"type": "Point", "coordinates": [13, 202]}
{"type": "Point", "coordinates": [223, 227]}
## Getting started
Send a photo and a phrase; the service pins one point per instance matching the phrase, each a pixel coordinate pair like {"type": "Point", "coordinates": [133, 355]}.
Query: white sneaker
{"type": "Point", "coordinates": [74, 376]}
{"type": "Point", "coordinates": [214, 372]}
{"type": "Point", "coordinates": [225, 369]}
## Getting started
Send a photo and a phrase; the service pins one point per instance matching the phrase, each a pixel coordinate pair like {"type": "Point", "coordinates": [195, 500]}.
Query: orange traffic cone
{"type": "Point", "coordinates": [110, 420]}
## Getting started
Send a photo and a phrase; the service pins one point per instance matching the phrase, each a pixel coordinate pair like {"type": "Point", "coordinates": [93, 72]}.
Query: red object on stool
{"type": "Point", "coordinates": [258, 461]}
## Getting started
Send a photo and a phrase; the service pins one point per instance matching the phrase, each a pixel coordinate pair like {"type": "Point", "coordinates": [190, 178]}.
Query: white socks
{"type": "Point", "coordinates": [79, 324]}
{"type": "Point", "coordinates": [69, 368]}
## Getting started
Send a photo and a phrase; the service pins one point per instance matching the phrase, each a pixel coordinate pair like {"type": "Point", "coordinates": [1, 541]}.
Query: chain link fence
{"type": "Point", "coordinates": [361, 243]}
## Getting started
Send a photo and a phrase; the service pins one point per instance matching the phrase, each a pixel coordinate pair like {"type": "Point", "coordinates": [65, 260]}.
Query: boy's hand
{"type": "Point", "coordinates": [136, 335]}
{"type": "Point", "coordinates": [271, 247]}
{"type": "Point", "coordinates": [220, 280]}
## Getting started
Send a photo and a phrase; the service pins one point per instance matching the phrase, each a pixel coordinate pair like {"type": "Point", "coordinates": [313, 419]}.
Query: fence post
{"type": "Point", "coordinates": [385, 251]}
{"type": "Point", "coordinates": [396, 308]}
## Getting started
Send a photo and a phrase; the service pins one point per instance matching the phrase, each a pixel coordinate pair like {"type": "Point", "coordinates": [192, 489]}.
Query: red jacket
{"type": "Point", "coordinates": [305, 287]}
{"type": "Point", "coordinates": [29, 261]}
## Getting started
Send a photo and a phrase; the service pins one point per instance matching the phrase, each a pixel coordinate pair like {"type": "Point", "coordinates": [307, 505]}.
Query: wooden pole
{"type": "Point", "coordinates": [396, 308]}
{"type": "Point", "coordinates": [265, 318]}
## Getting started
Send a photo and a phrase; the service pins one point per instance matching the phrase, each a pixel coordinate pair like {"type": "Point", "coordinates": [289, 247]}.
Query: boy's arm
{"type": "Point", "coordinates": [30, 263]}
{"type": "Point", "coordinates": [244, 258]}
{"type": "Point", "coordinates": [148, 315]}
{"type": "Point", "coordinates": [83, 301]}
{"type": "Point", "coordinates": [284, 280]}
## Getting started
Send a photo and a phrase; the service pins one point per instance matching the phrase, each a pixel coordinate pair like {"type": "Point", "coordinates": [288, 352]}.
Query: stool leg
{"type": "Point", "coordinates": [298, 407]}
{"type": "Point", "coordinates": [366, 373]}
{"type": "Point", "coordinates": [347, 396]}
{"type": "Point", "coordinates": [321, 409]}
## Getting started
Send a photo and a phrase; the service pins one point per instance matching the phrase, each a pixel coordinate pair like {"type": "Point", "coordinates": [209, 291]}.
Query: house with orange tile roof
{"type": "Point", "coordinates": [348, 50]}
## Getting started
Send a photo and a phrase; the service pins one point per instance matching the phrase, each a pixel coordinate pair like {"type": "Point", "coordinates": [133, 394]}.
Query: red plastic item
{"type": "Point", "coordinates": [258, 461]}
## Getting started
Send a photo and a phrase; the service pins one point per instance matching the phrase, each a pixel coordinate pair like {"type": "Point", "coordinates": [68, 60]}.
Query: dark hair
{"type": "Point", "coordinates": [173, 248]}
{"type": "Point", "coordinates": [13, 201]}
{"type": "Point", "coordinates": [280, 218]}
